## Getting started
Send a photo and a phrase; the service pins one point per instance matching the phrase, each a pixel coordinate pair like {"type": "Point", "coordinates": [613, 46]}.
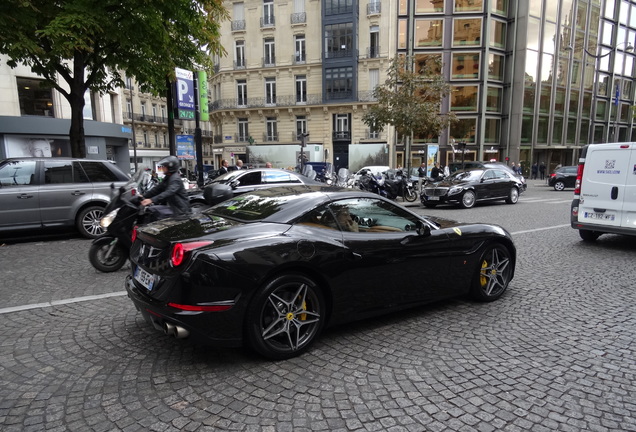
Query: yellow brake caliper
{"type": "Point", "coordinates": [482, 279]}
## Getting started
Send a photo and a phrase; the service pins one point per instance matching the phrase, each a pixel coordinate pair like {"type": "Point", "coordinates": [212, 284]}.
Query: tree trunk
{"type": "Point", "coordinates": [76, 100]}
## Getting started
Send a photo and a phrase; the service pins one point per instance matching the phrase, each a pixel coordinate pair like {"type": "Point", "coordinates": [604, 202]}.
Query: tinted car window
{"type": "Point", "coordinates": [17, 173]}
{"type": "Point", "coordinates": [270, 177]}
{"type": "Point", "coordinates": [99, 172]}
{"type": "Point", "coordinates": [250, 178]}
{"type": "Point", "coordinates": [60, 172]}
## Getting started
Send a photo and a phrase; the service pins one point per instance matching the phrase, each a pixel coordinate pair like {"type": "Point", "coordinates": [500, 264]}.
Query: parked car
{"type": "Point", "coordinates": [271, 268]}
{"type": "Point", "coordinates": [38, 193]}
{"type": "Point", "coordinates": [243, 181]}
{"type": "Point", "coordinates": [456, 166]}
{"type": "Point", "coordinates": [564, 177]}
{"type": "Point", "coordinates": [466, 188]}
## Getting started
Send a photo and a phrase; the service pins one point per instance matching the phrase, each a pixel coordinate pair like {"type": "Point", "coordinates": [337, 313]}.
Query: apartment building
{"type": "Point", "coordinates": [301, 69]}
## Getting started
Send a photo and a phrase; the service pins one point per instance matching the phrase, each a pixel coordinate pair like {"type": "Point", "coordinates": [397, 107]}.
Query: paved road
{"type": "Point", "coordinates": [555, 353]}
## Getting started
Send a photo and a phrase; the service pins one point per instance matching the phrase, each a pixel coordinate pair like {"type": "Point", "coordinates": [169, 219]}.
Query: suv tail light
{"type": "Point", "coordinates": [579, 177]}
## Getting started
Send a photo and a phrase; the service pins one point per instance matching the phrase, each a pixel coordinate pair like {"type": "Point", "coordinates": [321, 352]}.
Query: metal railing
{"type": "Point", "coordinates": [341, 135]}
{"type": "Point", "coordinates": [299, 17]}
{"type": "Point", "coordinates": [238, 25]}
{"type": "Point", "coordinates": [268, 21]}
{"type": "Point", "coordinates": [290, 100]}
{"type": "Point", "coordinates": [270, 137]}
{"type": "Point", "coordinates": [374, 8]}
{"type": "Point", "coordinates": [269, 61]}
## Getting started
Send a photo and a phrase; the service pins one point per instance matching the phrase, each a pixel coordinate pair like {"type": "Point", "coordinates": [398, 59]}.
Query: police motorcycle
{"type": "Point", "coordinates": [109, 252]}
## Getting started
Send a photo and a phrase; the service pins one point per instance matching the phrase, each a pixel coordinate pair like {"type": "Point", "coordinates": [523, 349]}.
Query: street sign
{"type": "Point", "coordinates": [185, 93]}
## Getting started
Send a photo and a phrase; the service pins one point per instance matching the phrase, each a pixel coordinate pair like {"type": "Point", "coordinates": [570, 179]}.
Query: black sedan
{"type": "Point", "coordinates": [270, 269]}
{"type": "Point", "coordinates": [242, 181]}
{"type": "Point", "coordinates": [469, 187]}
{"type": "Point", "coordinates": [564, 177]}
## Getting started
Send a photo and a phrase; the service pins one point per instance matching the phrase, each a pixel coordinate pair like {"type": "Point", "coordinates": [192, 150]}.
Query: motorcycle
{"type": "Point", "coordinates": [370, 183]}
{"type": "Point", "coordinates": [397, 184]}
{"type": "Point", "coordinates": [109, 252]}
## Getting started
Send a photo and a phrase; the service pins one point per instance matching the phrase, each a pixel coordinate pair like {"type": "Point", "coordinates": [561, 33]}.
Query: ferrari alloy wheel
{"type": "Point", "coordinates": [88, 221]}
{"type": "Point", "coordinates": [493, 274]}
{"type": "Point", "coordinates": [468, 199]}
{"type": "Point", "coordinates": [285, 317]}
{"type": "Point", "coordinates": [513, 196]}
{"type": "Point", "coordinates": [559, 186]}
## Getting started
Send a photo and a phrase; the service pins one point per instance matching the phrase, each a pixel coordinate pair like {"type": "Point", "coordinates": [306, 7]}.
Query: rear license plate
{"type": "Point", "coordinates": [433, 198]}
{"type": "Point", "coordinates": [144, 278]}
{"type": "Point", "coordinates": [599, 216]}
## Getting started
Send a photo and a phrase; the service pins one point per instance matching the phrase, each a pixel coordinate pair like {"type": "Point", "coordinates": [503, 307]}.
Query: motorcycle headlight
{"type": "Point", "coordinates": [105, 221]}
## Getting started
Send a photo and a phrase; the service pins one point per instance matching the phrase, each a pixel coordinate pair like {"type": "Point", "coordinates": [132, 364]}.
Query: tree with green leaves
{"type": "Point", "coordinates": [411, 98]}
{"type": "Point", "coordinates": [81, 45]}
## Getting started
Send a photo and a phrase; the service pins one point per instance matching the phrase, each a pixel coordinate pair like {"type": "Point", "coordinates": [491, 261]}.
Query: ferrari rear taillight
{"type": "Point", "coordinates": [202, 308]}
{"type": "Point", "coordinates": [179, 250]}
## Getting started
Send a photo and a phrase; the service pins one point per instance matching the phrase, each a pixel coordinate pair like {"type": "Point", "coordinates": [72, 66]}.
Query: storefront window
{"type": "Point", "coordinates": [467, 32]}
{"type": "Point", "coordinates": [428, 32]}
{"type": "Point", "coordinates": [465, 66]}
{"type": "Point", "coordinates": [464, 130]}
{"type": "Point", "coordinates": [35, 99]}
{"type": "Point", "coordinates": [421, 60]}
{"type": "Point", "coordinates": [464, 98]}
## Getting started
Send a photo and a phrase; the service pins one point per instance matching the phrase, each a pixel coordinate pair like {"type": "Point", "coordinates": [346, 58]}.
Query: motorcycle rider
{"type": "Point", "coordinates": [170, 190]}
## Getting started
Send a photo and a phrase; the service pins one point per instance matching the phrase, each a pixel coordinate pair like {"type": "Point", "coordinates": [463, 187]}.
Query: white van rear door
{"type": "Point", "coordinates": [629, 202]}
{"type": "Point", "coordinates": [603, 185]}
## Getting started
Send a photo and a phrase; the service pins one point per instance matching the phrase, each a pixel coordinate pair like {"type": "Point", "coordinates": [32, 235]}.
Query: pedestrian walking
{"type": "Point", "coordinates": [534, 171]}
{"type": "Point", "coordinates": [542, 170]}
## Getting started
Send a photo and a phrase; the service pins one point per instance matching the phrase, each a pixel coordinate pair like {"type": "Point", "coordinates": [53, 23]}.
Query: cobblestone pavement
{"type": "Point", "coordinates": [555, 353]}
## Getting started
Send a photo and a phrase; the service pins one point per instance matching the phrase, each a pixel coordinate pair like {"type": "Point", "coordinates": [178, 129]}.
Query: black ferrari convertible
{"type": "Point", "coordinates": [270, 269]}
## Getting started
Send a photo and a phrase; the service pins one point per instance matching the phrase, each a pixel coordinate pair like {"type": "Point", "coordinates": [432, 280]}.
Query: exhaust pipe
{"type": "Point", "coordinates": [175, 331]}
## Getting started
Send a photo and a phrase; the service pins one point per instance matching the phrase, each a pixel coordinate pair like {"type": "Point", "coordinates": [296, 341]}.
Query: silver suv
{"type": "Point", "coordinates": [56, 192]}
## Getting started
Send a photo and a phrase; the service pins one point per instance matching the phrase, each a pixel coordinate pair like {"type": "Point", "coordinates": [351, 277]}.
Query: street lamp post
{"type": "Point", "coordinates": [597, 57]}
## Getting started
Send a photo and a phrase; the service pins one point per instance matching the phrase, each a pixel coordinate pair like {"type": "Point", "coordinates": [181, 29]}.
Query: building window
{"type": "Point", "coordinates": [272, 133]}
{"type": "Point", "coordinates": [143, 111]}
{"type": "Point", "coordinates": [491, 130]}
{"type": "Point", "coordinates": [402, 25]}
{"type": "Point", "coordinates": [499, 7]}
{"type": "Point", "coordinates": [129, 109]}
{"type": "Point", "coordinates": [341, 126]}
{"type": "Point", "coordinates": [463, 130]}
{"type": "Point", "coordinates": [243, 132]}
{"type": "Point", "coordinates": [239, 53]}
{"type": "Point", "coordinates": [374, 42]}
{"type": "Point", "coordinates": [468, 5]}
{"type": "Point", "coordinates": [146, 143]}
{"type": "Point", "coordinates": [301, 125]}
{"type": "Point", "coordinates": [494, 99]}
{"type": "Point", "coordinates": [154, 112]}
{"type": "Point", "coordinates": [268, 13]}
{"type": "Point", "coordinates": [464, 98]}
{"type": "Point", "coordinates": [339, 40]}
{"type": "Point", "coordinates": [164, 116]}
{"type": "Point", "coordinates": [339, 83]}
{"type": "Point", "coordinates": [241, 93]}
{"type": "Point", "coordinates": [465, 66]}
{"type": "Point", "coordinates": [301, 89]}
{"type": "Point", "coordinates": [156, 139]}
{"type": "Point", "coordinates": [269, 52]}
{"type": "Point", "coordinates": [496, 67]}
{"type": "Point", "coordinates": [424, 6]}
{"type": "Point", "coordinates": [270, 91]}
{"type": "Point", "coordinates": [428, 33]}
{"type": "Point", "coordinates": [34, 99]}
{"type": "Point", "coordinates": [299, 45]}
{"type": "Point", "coordinates": [498, 34]}
{"type": "Point", "coordinates": [238, 17]}
{"type": "Point", "coordinates": [336, 7]}
{"type": "Point", "coordinates": [467, 32]}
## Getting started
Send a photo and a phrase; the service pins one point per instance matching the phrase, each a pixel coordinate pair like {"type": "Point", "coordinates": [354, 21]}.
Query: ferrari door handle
{"type": "Point", "coordinates": [77, 193]}
{"type": "Point", "coordinates": [24, 196]}
{"type": "Point", "coordinates": [356, 256]}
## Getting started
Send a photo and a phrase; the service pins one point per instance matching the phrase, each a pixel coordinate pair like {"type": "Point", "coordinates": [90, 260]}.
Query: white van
{"type": "Point", "coordinates": [605, 191]}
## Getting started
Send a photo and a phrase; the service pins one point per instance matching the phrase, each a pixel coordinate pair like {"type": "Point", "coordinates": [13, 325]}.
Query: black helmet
{"type": "Point", "coordinates": [170, 162]}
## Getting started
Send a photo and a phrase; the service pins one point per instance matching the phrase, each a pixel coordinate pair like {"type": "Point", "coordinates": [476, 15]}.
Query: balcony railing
{"type": "Point", "coordinates": [269, 61]}
{"type": "Point", "coordinates": [340, 53]}
{"type": "Point", "coordinates": [239, 64]}
{"type": "Point", "coordinates": [291, 100]}
{"type": "Point", "coordinates": [268, 21]}
{"type": "Point", "coordinates": [299, 18]}
{"type": "Point", "coordinates": [373, 134]}
{"type": "Point", "coordinates": [299, 58]}
{"type": "Point", "coordinates": [341, 135]}
{"type": "Point", "coordinates": [238, 25]}
{"type": "Point", "coordinates": [241, 138]}
{"type": "Point", "coordinates": [145, 118]}
{"type": "Point", "coordinates": [373, 52]}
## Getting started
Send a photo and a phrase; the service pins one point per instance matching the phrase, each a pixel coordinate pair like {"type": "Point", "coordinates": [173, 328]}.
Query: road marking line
{"type": "Point", "coordinates": [540, 229]}
{"type": "Point", "coordinates": [61, 302]}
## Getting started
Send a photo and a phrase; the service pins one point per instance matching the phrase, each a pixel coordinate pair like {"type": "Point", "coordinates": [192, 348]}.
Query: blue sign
{"type": "Point", "coordinates": [185, 89]}
{"type": "Point", "coordinates": [185, 147]}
